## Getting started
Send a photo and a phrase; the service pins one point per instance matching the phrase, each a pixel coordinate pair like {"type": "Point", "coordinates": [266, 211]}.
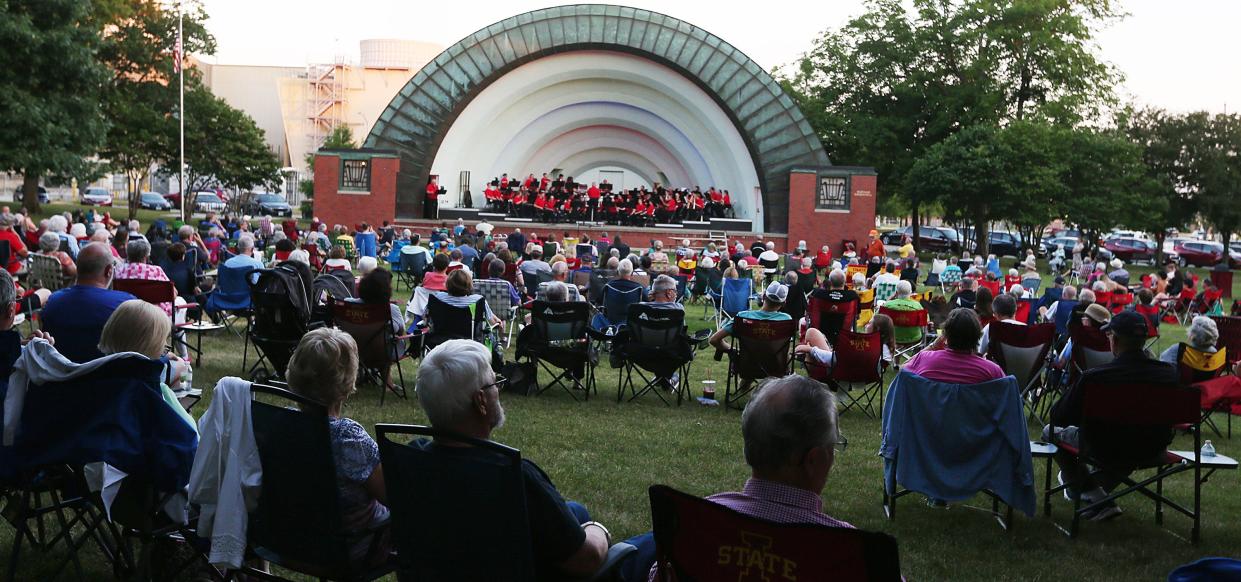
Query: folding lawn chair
{"type": "Point", "coordinates": [907, 321]}
{"type": "Point", "coordinates": [231, 296]}
{"type": "Point", "coordinates": [1091, 348]}
{"type": "Point", "coordinates": [859, 362]}
{"type": "Point", "coordinates": [761, 349]}
{"type": "Point", "coordinates": [736, 296]}
{"type": "Point", "coordinates": [655, 341]}
{"type": "Point", "coordinates": [866, 307]}
{"type": "Point", "coordinates": [500, 300]}
{"type": "Point", "coordinates": [1151, 314]}
{"type": "Point", "coordinates": [277, 327]}
{"type": "Point", "coordinates": [1021, 351]}
{"type": "Point", "coordinates": [561, 340]}
{"type": "Point", "coordinates": [370, 324]}
{"type": "Point", "coordinates": [1229, 327]}
{"type": "Point", "coordinates": [831, 317]}
{"type": "Point", "coordinates": [698, 539]}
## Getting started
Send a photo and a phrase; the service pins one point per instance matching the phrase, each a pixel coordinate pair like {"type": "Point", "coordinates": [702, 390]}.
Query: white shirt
{"type": "Point", "coordinates": [986, 335]}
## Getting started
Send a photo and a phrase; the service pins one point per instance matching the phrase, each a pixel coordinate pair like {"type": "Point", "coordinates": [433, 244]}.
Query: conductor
{"type": "Point", "coordinates": [431, 203]}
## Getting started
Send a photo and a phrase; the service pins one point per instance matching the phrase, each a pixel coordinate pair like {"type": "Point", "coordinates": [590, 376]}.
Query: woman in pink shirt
{"type": "Point", "coordinates": [959, 363]}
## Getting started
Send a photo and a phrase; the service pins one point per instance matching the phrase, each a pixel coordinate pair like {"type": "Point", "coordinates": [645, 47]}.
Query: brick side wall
{"type": "Point", "coordinates": [819, 227]}
{"type": "Point", "coordinates": [351, 208]}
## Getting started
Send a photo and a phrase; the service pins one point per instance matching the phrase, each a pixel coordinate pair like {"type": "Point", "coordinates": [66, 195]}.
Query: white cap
{"type": "Point", "coordinates": [777, 291]}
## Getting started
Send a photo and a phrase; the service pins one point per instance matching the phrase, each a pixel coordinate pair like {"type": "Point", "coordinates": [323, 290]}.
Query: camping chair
{"type": "Point", "coordinates": [994, 286]}
{"type": "Point", "coordinates": [927, 428]}
{"type": "Point", "coordinates": [1194, 365]}
{"type": "Point", "coordinates": [413, 267]}
{"type": "Point", "coordinates": [275, 330]}
{"type": "Point", "coordinates": [561, 340]}
{"type": "Point", "coordinates": [1222, 281]}
{"type": "Point", "coordinates": [615, 308]}
{"type": "Point", "coordinates": [34, 497]}
{"type": "Point", "coordinates": [487, 487]}
{"type": "Point", "coordinates": [231, 295]}
{"type": "Point", "coordinates": [157, 292]}
{"type": "Point", "coordinates": [1026, 311]}
{"type": "Point", "coordinates": [1032, 284]}
{"type": "Point", "coordinates": [866, 307]}
{"type": "Point", "coordinates": [379, 346]}
{"type": "Point", "coordinates": [1120, 302]}
{"type": "Point", "coordinates": [658, 344]}
{"type": "Point", "coordinates": [296, 522]}
{"type": "Point", "coordinates": [736, 296]}
{"type": "Point", "coordinates": [771, 268]}
{"type": "Point", "coordinates": [347, 244]}
{"type": "Point", "coordinates": [1223, 395]}
{"type": "Point", "coordinates": [949, 279]}
{"type": "Point", "coordinates": [1064, 312]}
{"type": "Point", "coordinates": [1151, 314]}
{"type": "Point", "coordinates": [907, 320]}
{"type": "Point", "coordinates": [885, 291]}
{"type": "Point", "coordinates": [795, 304]}
{"type": "Point", "coordinates": [1121, 408]}
{"type": "Point", "coordinates": [445, 322]}
{"type": "Point", "coordinates": [500, 300]}
{"type": "Point", "coordinates": [596, 289]}
{"type": "Point", "coordinates": [761, 349]}
{"type": "Point", "coordinates": [831, 317]}
{"type": "Point", "coordinates": [1021, 351]}
{"type": "Point", "coordinates": [1229, 337]}
{"type": "Point", "coordinates": [850, 271]}
{"type": "Point", "coordinates": [45, 273]}
{"type": "Point", "coordinates": [859, 361]}
{"type": "Point", "coordinates": [698, 539]}
{"type": "Point", "coordinates": [324, 290]}
{"type": "Point", "coordinates": [1091, 348]}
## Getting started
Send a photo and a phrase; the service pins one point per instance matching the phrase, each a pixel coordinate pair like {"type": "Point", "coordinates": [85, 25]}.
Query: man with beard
{"type": "Point", "coordinates": [461, 394]}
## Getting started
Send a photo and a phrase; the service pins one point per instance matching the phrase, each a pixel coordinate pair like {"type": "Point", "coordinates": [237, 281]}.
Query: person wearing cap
{"type": "Point", "coordinates": [17, 249]}
{"type": "Point", "coordinates": [773, 299]}
{"type": "Point", "coordinates": [1092, 315]}
{"type": "Point", "coordinates": [874, 249]}
{"type": "Point", "coordinates": [1120, 451]}
{"type": "Point", "coordinates": [1119, 275]}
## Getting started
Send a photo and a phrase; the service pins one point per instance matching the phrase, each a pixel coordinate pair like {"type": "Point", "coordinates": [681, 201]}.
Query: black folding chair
{"type": "Point", "coordinates": [655, 341]}
{"type": "Point", "coordinates": [297, 523]}
{"type": "Point", "coordinates": [413, 267]}
{"type": "Point", "coordinates": [562, 338]}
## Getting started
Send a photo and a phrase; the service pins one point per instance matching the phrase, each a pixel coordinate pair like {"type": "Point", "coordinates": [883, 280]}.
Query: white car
{"type": "Point", "coordinates": [208, 202]}
{"type": "Point", "coordinates": [96, 196]}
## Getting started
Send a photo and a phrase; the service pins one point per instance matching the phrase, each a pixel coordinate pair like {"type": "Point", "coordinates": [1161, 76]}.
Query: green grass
{"type": "Point", "coordinates": [605, 455]}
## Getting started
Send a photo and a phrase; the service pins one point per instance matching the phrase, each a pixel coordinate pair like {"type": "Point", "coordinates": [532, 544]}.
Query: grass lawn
{"type": "Point", "coordinates": [605, 455]}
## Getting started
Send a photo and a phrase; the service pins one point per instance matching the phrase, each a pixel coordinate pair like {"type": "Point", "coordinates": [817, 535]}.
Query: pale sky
{"type": "Point", "coordinates": [1182, 56]}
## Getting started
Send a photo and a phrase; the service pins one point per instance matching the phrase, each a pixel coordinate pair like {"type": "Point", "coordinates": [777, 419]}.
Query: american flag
{"type": "Point", "coordinates": [176, 54]}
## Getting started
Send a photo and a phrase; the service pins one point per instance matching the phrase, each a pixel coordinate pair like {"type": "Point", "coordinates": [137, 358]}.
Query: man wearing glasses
{"type": "Point", "coordinates": [791, 441]}
{"type": "Point", "coordinates": [664, 293]}
{"type": "Point", "coordinates": [460, 393]}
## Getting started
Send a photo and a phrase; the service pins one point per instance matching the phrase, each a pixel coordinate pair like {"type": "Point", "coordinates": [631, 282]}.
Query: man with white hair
{"type": "Point", "coordinates": [902, 301]}
{"type": "Point", "coordinates": [460, 393]}
{"type": "Point", "coordinates": [535, 265]}
{"type": "Point", "coordinates": [60, 225]}
{"type": "Point", "coordinates": [664, 294]}
{"type": "Point", "coordinates": [1005, 308]}
{"type": "Point", "coordinates": [560, 274]}
{"type": "Point", "coordinates": [245, 256]}
{"type": "Point", "coordinates": [135, 231]}
{"type": "Point", "coordinates": [366, 265]}
{"type": "Point", "coordinates": [769, 257]}
{"type": "Point", "coordinates": [624, 282]}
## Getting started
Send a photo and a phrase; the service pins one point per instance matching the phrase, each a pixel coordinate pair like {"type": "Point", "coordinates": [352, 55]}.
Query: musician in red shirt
{"type": "Point", "coordinates": [545, 182]}
{"type": "Point", "coordinates": [503, 181]}
{"type": "Point", "coordinates": [529, 183]}
{"type": "Point", "coordinates": [593, 194]}
{"type": "Point", "coordinates": [431, 204]}
{"type": "Point", "coordinates": [699, 205]}
{"type": "Point", "coordinates": [639, 211]}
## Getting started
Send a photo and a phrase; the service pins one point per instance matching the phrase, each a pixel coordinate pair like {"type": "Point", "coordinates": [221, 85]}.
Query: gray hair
{"type": "Point", "coordinates": [664, 283]}
{"type": "Point", "coordinates": [790, 279]}
{"type": "Point", "coordinates": [448, 378]}
{"type": "Point", "coordinates": [785, 417]}
{"type": "Point", "coordinates": [807, 262]}
{"type": "Point", "coordinates": [49, 242]}
{"type": "Point", "coordinates": [625, 268]}
{"type": "Point", "coordinates": [245, 244]}
{"type": "Point", "coordinates": [137, 251]}
{"type": "Point", "coordinates": [324, 366]}
{"type": "Point", "coordinates": [133, 226]}
{"type": "Point", "coordinates": [8, 291]}
{"type": "Point", "coordinates": [57, 223]}
{"type": "Point", "coordinates": [1202, 333]}
{"type": "Point", "coordinates": [771, 246]}
{"type": "Point", "coordinates": [185, 232]}
{"type": "Point", "coordinates": [557, 292]}
{"type": "Point", "coordinates": [300, 256]}
{"type": "Point", "coordinates": [1099, 286]}
{"type": "Point", "coordinates": [859, 282]}
{"type": "Point", "coordinates": [367, 264]}
{"type": "Point", "coordinates": [1069, 292]}
{"type": "Point", "coordinates": [904, 289]}
{"type": "Point", "coordinates": [560, 268]}
{"type": "Point", "coordinates": [1086, 295]}
{"type": "Point", "coordinates": [836, 278]}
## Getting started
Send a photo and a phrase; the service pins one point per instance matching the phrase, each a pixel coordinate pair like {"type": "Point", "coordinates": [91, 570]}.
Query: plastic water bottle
{"type": "Point", "coordinates": [1208, 449]}
{"type": "Point", "coordinates": [187, 379]}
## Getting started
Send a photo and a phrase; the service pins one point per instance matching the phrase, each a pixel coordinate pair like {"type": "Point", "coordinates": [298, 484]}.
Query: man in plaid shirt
{"type": "Point", "coordinates": [789, 428]}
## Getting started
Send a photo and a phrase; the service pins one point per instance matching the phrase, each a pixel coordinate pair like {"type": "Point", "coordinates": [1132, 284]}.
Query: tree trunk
{"type": "Point", "coordinates": [916, 226]}
{"type": "Point", "coordinates": [135, 181]}
{"type": "Point", "coordinates": [30, 192]}
{"type": "Point", "coordinates": [982, 236]}
{"type": "Point", "coordinates": [1160, 235]}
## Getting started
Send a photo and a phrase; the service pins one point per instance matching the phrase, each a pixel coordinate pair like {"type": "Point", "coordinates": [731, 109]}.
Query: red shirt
{"type": "Point", "coordinates": [15, 245]}
{"type": "Point", "coordinates": [540, 201]}
{"type": "Point", "coordinates": [544, 183]}
{"type": "Point", "coordinates": [875, 249]}
{"type": "Point", "coordinates": [433, 191]}
{"type": "Point", "coordinates": [699, 203]}
{"type": "Point", "coordinates": [593, 192]}
{"type": "Point", "coordinates": [727, 200]}
{"type": "Point", "coordinates": [716, 196]}
{"type": "Point", "coordinates": [670, 204]}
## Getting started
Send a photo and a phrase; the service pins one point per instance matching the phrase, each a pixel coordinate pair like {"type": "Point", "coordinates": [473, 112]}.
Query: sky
{"type": "Point", "coordinates": [1181, 56]}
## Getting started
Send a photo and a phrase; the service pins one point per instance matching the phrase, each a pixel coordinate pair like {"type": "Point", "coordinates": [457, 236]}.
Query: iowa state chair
{"type": "Point", "coordinates": [830, 317]}
{"type": "Point", "coordinates": [1022, 351]}
{"type": "Point", "coordinates": [761, 349]}
{"type": "Point", "coordinates": [700, 540]}
{"type": "Point", "coordinates": [909, 324]}
{"type": "Point", "coordinates": [858, 364]}
{"type": "Point", "coordinates": [379, 346]}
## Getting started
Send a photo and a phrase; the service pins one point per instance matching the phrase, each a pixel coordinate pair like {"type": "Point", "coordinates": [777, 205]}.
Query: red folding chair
{"type": "Point", "coordinates": [158, 292]}
{"type": "Point", "coordinates": [1223, 281]}
{"type": "Point", "coordinates": [1223, 395]}
{"type": "Point", "coordinates": [1121, 301]}
{"type": "Point", "coordinates": [859, 362]}
{"type": "Point", "coordinates": [1009, 281]}
{"type": "Point", "coordinates": [762, 349]}
{"type": "Point", "coordinates": [907, 320]}
{"type": "Point", "coordinates": [830, 317]}
{"type": "Point", "coordinates": [1151, 313]}
{"type": "Point", "coordinates": [1091, 348]}
{"type": "Point", "coordinates": [994, 286]}
{"type": "Point", "coordinates": [1198, 366]}
{"type": "Point", "coordinates": [1117, 408]}
{"type": "Point", "coordinates": [370, 324]}
{"type": "Point", "coordinates": [698, 539]}
{"type": "Point", "coordinates": [1103, 298]}
{"type": "Point", "coordinates": [1021, 350]}
{"type": "Point", "coordinates": [1229, 337]}
{"type": "Point", "coordinates": [1025, 307]}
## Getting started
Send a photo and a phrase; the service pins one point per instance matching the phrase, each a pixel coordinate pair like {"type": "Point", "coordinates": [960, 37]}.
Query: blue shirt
{"type": "Point", "coordinates": [239, 261]}
{"type": "Point", "coordinates": [75, 317]}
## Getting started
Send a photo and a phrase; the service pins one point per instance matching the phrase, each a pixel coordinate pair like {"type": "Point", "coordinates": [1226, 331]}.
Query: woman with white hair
{"type": "Point", "coordinates": [60, 225]}
{"type": "Point", "coordinates": [49, 245]}
{"type": "Point", "coordinates": [324, 368]}
{"type": "Point", "coordinates": [1201, 335]}
{"type": "Point", "coordinates": [139, 327]}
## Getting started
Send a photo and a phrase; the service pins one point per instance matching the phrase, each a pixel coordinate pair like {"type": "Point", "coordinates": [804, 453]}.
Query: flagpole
{"type": "Point", "coordinates": [181, 108]}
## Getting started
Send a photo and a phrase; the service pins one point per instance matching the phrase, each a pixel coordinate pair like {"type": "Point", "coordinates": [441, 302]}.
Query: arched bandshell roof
{"type": "Point", "coordinates": [774, 130]}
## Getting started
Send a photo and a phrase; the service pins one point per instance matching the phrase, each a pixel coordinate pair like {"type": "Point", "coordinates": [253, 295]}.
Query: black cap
{"type": "Point", "coordinates": [1127, 323]}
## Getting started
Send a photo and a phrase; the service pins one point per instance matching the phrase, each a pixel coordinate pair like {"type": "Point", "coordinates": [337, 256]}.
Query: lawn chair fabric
{"type": "Point", "coordinates": [1194, 365]}
{"type": "Point", "coordinates": [1229, 336]}
{"type": "Point", "coordinates": [232, 290]}
{"type": "Point", "coordinates": [831, 317]}
{"type": "Point", "coordinates": [950, 441]}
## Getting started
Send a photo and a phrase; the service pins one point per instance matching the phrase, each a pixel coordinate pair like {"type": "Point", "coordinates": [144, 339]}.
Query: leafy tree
{"type": "Point", "coordinates": [965, 174]}
{"type": "Point", "coordinates": [904, 76]}
{"type": "Point", "coordinates": [141, 97]}
{"type": "Point", "coordinates": [49, 85]}
{"type": "Point", "coordinates": [1162, 138]}
{"type": "Point", "coordinates": [229, 148]}
{"type": "Point", "coordinates": [341, 137]}
{"type": "Point", "coordinates": [1108, 185]}
{"type": "Point", "coordinates": [1034, 187]}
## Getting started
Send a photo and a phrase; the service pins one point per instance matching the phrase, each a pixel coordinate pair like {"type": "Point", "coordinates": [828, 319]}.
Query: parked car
{"type": "Point", "coordinates": [208, 202]}
{"type": "Point", "coordinates": [96, 196]}
{"type": "Point", "coordinates": [174, 199]}
{"type": "Point", "coordinates": [1049, 245]}
{"type": "Point", "coordinates": [153, 201]}
{"type": "Point", "coordinates": [931, 238]}
{"type": "Point", "coordinates": [1201, 253]}
{"type": "Point", "coordinates": [1004, 244]}
{"type": "Point", "coordinates": [268, 204]}
{"type": "Point", "coordinates": [1130, 249]}
{"type": "Point", "coordinates": [43, 198]}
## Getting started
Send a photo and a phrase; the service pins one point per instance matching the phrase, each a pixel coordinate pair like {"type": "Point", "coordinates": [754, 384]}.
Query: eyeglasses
{"type": "Point", "coordinates": [499, 384]}
{"type": "Point", "coordinates": [841, 444]}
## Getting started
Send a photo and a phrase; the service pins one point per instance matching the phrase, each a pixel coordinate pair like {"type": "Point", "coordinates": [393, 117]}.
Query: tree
{"type": "Point", "coordinates": [229, 148]}
{"type": "Point", "coordinates": [1033, 178]}
{"type": "Point", "coordinates": [141, 98]}
{"type": "Point", "coordinates": [904, 76]}
{"type": "Point", "coordinates": [1162, 138]}
{"type": "Point", "coordinates": [965, 173]}
{"type": "Point", "coordinates": [1108, 184]}
{"type": "Point", "coordinates": [1215, 170]}
{"type": "Point", "coordinates": [49, 86]}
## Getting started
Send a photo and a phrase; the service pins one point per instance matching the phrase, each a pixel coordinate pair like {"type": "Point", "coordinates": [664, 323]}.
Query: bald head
{"type": "Point", "coordinates": [95, 265]}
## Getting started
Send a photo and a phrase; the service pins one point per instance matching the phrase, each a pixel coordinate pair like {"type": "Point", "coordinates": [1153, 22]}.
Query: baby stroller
{"type": "Point", "coordinates": [325, 289]}
{"type": "Point", "coordinates": [281, 304]}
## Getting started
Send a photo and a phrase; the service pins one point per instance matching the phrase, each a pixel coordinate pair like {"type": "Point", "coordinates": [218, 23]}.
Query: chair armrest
{"type": "Point", "coordinates": [595, 334]}
{"type": "Point", "coordinates": [187, 306]}
{"type": "Point", "coordinates": [405, 337]}
{"type": "Point", "coordinates": [617, 554]}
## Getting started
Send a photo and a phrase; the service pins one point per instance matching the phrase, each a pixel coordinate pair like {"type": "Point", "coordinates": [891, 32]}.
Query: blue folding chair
{"type": "Point", "coordinates": [736, 296]}
{"type": "Point", "coordinates": [232, 293]}
{"type": "Point", "coordinates": [616, 304]}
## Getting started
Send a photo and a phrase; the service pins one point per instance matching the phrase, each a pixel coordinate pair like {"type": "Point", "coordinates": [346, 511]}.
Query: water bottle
{"type": "Point", "coordinates": [187, 379]}
{"type": "Point", "coordinates": [1208, 449]}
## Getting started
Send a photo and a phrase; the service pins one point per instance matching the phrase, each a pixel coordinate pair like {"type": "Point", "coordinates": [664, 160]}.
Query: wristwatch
{"type": "Point", "coordinates": [606, 534]}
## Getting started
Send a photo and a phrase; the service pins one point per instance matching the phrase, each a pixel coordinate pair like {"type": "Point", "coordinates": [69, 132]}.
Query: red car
{"type": "Point", "coordinates": [1130, 249]}
{"type": "Point", "coordinates": [1199, 253]}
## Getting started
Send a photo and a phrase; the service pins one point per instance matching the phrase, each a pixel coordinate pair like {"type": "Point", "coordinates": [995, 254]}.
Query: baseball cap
{"type": "Point", "coordinates": [777, 291]}
{"type": "Point", "coordinates": [1059, 280]}
{"type": "Point", "coordinates": [1127, 323]}
{"type": "Point", "coordinates": [874, 232]}
{"type": "Point", "coordinates": [1098, 313]}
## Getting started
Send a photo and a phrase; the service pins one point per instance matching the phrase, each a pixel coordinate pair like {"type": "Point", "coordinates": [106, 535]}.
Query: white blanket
{"type": "Point", "coordinates": [227, 474]}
